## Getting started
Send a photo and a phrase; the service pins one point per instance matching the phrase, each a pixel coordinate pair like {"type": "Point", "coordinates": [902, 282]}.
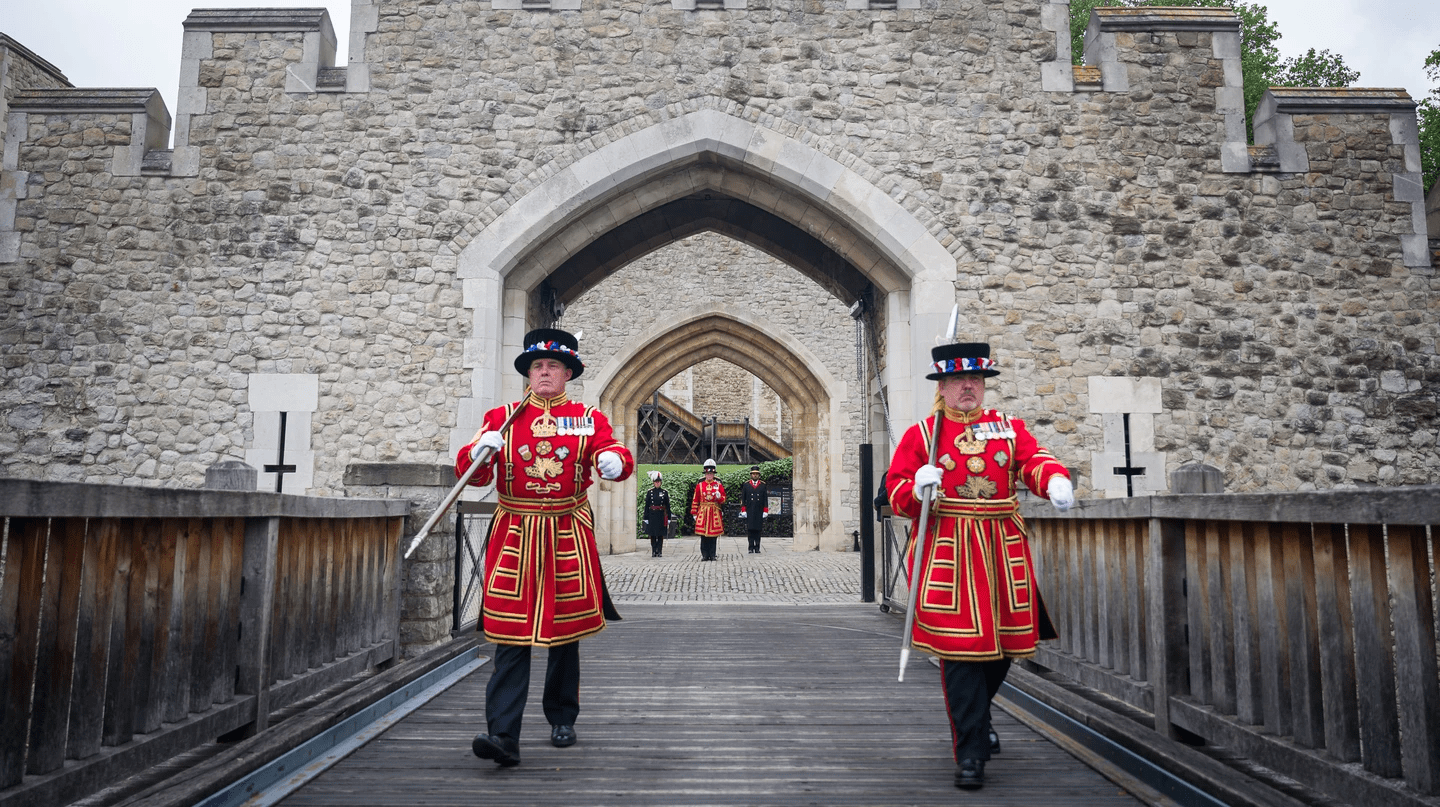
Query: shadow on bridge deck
{"type": "Point", "coordinates": [715, 705]}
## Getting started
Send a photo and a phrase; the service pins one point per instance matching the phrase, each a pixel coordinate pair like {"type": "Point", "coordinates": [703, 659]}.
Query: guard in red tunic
{"type": "Point", "coordinates": [705, 503]}
{"type": "Point", "coordinates": [543, 584]}
{"type": "Point", "coordinates": [978, 606]}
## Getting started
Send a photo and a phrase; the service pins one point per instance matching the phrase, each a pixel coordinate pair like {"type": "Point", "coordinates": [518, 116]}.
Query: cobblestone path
{"type": "Point", "coordinates": [776, 576]}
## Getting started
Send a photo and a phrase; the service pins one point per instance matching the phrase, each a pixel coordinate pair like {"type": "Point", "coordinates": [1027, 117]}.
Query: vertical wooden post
{"type": "Point", "coordinates": [1220, 616]}
{"type": "Point", "coordinates": [1197, 614]}
{"type": "Point", "coordinates": [257, 605]}
{"type": "Point", "coordinates": [1274, 635]}
{"type": "Point", "coordinates": [92, 641]}
{"type": "Point", "coordinates": [1104, 590]}
{"type": "Point", "coordinates": [1304, 645]}
{"type": "Point", "coordinates": [1165, 615]}
{"type": "Point", "coordinates": [1135, 543]}
{"type": "Point", "coordinates": [55, 662]}
{"type": "Point", "coordinates": [1245, 602]}
{"type": "Point", "coordinates": [1375, 672]}
{"type": "Point", "coordinates": [20, 593]}
{"type": "Point", "coordinates": [1415, 668]}
{"type": "Point", "coordinates": [1337, 649]}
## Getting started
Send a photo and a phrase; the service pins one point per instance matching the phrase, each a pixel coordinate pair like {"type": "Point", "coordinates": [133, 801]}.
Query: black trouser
{"type": "Point", "coordinates": [969, 688]}
{"type": "Point", "coordinates": [707, 546]}
{"type": "Point", "coordinates": [655, 546]}
{"type": "Point", "coordinates": [754, 540]}
{"type": "Point", "coordinates": [509, 686]}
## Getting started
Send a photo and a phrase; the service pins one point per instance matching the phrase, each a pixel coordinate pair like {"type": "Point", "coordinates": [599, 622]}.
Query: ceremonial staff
{"type": "Point", "coordinates": [485, 454]}
{"type": "Point", "coordinates": [926, 496]}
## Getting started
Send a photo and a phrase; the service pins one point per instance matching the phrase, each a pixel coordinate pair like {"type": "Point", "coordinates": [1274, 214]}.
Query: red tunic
{"type": "Point", "coordinates": [979, 600]}
{"type": "Point", "coordinates": [705, 507]}
{"type": "Point", "coordinates": [542, 582]}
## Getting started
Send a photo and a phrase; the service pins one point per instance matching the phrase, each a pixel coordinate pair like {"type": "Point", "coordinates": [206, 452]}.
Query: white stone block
{"type": "Point", "coordinates": [1120, 395]}
{"type": "Point", "coordinates": [1235, 157]}
{"type": "Point", "coordinates": [1057, 76]}
{"type": "Point", "coordinates": [301, 77]}
{"type": "Point", "coordinates": [1409, 187]}
{"type": "Point", "coordinates": [1225, 44]}
{"type": "Point", "coordinates": [1416, 250]}
{"type": "Point", "coordinates": [9, 247]}
{"type": "Point", "coordinates": [284, 392]}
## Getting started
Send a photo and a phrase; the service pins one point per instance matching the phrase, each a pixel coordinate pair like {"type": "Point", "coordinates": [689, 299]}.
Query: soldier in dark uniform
{"type": "Point", "coordinates": [754, 506]}
{"type": "Point", "coordinates": [657, 514]}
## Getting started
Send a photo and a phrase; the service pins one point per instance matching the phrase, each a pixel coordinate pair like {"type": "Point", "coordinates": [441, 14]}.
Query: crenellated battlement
{"type": "Point", "coordinates": [380, 231]}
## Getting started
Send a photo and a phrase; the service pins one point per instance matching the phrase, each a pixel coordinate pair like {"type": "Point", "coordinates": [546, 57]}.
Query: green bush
{"type": "Point", "coordinates": [679, 481]}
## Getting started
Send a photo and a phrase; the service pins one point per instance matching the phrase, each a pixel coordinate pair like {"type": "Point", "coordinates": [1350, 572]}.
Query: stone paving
{"type": "Point", "coordinates": [777, 576]}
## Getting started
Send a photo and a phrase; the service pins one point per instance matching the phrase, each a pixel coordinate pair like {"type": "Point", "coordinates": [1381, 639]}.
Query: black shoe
{"type": "Point", "coordinates": [970, 775]}
{"type": "Point", "coordinates": [503, 750]}
{"type": "Point", "coordinates": [994, 742]}
{"type": "Point", "coordinates": [562, 736]}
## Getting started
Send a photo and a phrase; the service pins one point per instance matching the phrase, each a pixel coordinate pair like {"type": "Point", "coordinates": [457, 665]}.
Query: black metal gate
{"type": "Point", "coordinates": [894, 592]}
{"type": "Point", "coordinates": [472, 530]}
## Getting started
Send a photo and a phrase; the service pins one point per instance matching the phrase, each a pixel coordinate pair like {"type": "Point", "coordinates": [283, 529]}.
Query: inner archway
{"type": "Point", "coordinates": [784, 364]}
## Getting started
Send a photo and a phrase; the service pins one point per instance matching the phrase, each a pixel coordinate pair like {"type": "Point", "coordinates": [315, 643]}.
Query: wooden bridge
{"type": "Point", "coordinates": [188, 647]}
{"type": "Point", "coordinates": [670, 433]}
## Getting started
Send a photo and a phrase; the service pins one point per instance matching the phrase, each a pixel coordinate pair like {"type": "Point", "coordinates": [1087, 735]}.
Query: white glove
{"type": "Point", "coordinates": [1061, 492]}
{"type": "Point", "coordinates": [927, 479]}
{"type": "Point", "coordinates": [491, 440]}
{"type": "Point", "coordinates": [610, 465]}
{"type": "Point", "coordinates": [742, 512]}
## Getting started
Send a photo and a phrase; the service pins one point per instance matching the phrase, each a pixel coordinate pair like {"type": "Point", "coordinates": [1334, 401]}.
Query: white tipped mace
{"type": "Point", "coordinates": [927, 495]}
{"type": "Point", "coordinates": [923, 525]}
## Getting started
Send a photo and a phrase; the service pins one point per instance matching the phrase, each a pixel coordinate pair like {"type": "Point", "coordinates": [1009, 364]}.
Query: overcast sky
{"type": "Point", "coordinates": [136, 43]}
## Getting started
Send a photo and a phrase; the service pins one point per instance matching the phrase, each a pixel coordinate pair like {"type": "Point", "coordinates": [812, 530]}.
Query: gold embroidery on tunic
{"type": "Point", "coordinates": [545, 425]}
{"type": "Point", "coordinates": [976, 487]}
{"type": "Point", "coordinates": [947, 462]}
{"type": "Point", "coordinates": [544, 468]}
{"type": "Point", "coordinates": [966, 443]}
{"type": "Point", "coordinates": [975, 464]}
{"type": "Point", "coordinates": [539, 488]}
{"type": "Point", "coordinates": [542, 448]}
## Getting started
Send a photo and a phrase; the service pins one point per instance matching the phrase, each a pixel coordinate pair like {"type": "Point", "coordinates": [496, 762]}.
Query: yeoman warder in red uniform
{"type": "Point", "coordinates": [543, 584]}
{"type": "Point", "coordinates": [978, 606]}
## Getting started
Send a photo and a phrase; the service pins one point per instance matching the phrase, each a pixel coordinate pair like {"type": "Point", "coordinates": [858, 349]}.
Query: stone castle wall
{"type": "Point", "coordinates": [1266, 308]}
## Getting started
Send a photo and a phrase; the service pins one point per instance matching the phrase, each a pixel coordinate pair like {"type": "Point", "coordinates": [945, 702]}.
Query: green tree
{"type": "Point", "coordinates": [1323, 69]}
{"type": "Point", "coordinates": [1429, 113]}
{"type": "Point", "coordinates": [1260, 63]}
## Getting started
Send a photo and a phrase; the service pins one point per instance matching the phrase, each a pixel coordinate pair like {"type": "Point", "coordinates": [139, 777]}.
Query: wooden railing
{"type": "Point", "coordinates": [1298, 629]}
{"type": "Point", "coordinates": [137, 623]}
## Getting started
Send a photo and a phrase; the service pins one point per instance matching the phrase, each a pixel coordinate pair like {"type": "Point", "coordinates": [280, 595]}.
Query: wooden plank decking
{"type": "Point", "coordinates": [717, 705]}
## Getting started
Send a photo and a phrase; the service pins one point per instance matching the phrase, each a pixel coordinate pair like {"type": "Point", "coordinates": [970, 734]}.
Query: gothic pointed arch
{"type": "Point", "coordinates": [781, 360]}
{"type": "Point", "coordinates": [834, 201]}
{"type": "Point", "coordinates": [704, 170]}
